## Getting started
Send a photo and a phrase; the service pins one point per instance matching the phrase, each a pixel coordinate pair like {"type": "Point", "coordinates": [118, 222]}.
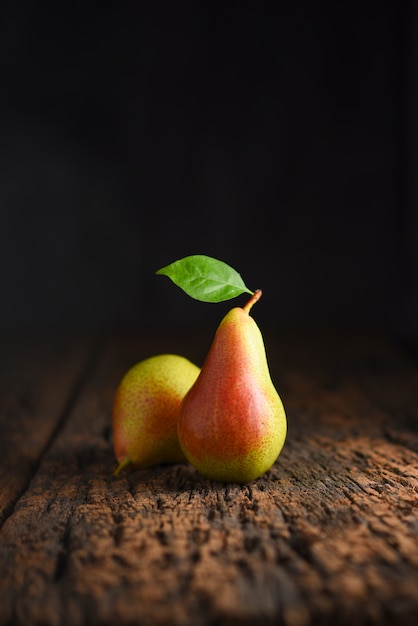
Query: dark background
{"type": "Point", "coordinates": [280, 141]}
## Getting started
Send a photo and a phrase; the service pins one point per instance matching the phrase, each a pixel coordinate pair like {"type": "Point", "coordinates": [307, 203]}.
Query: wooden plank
{"type": "Point", "coordinates": [328, 536]}
{"type": "Point", "coordinates": [38, 377]}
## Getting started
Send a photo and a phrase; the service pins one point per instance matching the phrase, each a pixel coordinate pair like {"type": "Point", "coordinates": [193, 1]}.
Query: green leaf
{"type": "Point", "coordinates": [204, 278]}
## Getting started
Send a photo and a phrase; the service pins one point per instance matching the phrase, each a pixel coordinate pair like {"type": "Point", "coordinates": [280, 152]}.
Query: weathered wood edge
{"type": "Point", "coordinates": [39, 380]}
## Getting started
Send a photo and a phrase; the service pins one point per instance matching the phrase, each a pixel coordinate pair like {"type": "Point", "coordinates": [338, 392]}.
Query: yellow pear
{"type": "Point", "coordinates": [232, 424]}
{"type": "Point", "coordinates": [145, 411]}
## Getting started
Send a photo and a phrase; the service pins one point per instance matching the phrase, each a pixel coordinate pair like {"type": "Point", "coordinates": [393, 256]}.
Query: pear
{"type": "Point", "coordinates": [145, 411]}
{"type": "Point", "coordinates": [232, 423]}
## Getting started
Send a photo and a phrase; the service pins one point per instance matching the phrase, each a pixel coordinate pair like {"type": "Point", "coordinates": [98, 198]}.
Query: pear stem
{"type": "Point", "coordinates": [121, 466]}
{"type": "Point", "coordinates": [254, 298]}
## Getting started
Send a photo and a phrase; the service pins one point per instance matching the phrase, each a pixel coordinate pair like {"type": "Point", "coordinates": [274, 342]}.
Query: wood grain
{"type": "Point", "coordinates": [328, 536]}
{"type": "Point", "coordinates": [38, 380]}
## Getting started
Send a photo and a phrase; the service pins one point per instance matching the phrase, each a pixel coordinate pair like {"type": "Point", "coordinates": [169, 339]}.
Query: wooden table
{"type": "Point", "coordinates": [328, 536]}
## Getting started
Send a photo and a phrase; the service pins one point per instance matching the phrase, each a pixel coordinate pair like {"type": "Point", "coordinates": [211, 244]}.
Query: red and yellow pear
{"type": "Point", "coordinates": [145, 411]}
{"type": "Point", "coordinates": [232, 423]}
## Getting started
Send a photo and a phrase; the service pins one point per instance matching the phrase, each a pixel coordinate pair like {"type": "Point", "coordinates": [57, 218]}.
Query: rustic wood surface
{"type": "Point", "coordinates": [328, 536]}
